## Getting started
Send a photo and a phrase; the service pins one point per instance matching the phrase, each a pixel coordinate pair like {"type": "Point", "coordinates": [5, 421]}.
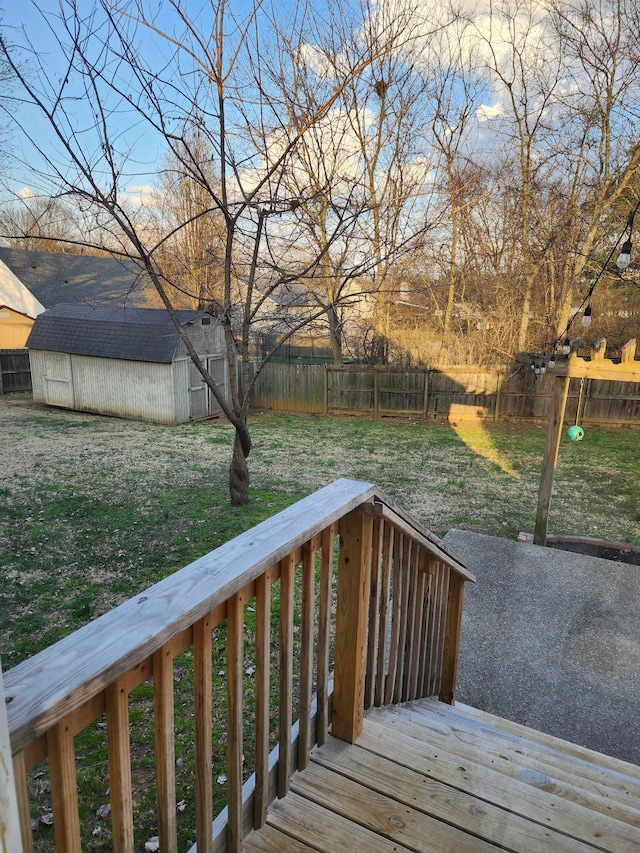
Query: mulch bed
{"type": "Point", "coordinates": [620, 554]}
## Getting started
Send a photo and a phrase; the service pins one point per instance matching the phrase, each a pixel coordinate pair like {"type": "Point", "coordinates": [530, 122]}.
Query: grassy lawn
{"type": "Point", "coordinates": [95, 509]}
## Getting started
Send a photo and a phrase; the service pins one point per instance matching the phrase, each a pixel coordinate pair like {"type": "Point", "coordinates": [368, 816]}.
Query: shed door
{"type": "Point", "coordinates": [198, 393]}
{"type": "Point", "coordinates": [202, 403]}
{"type": "Point", "coordinates": [58, 380]}
{"type": "Point", "coordinates": [216, 368]}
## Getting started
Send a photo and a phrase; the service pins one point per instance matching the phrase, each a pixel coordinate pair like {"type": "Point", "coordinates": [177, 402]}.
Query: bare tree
{"type": "Point", "coordinates": [212, 82]}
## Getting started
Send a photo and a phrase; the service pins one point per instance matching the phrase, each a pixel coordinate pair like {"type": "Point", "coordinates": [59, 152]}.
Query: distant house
{"type": "Point", "coordinates": [127, 362]}
{"type": "Point", "coordinates": [18, 309]}
{"type": "Point", "coordinates": [31, 281]}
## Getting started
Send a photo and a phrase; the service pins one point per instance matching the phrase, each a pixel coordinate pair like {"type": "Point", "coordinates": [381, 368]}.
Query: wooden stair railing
{"type": "Point", "coordinates": [394, 637]}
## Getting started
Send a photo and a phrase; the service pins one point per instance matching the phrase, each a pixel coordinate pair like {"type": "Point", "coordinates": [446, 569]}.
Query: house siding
{"type": "Point", "coordinates": [14, 328]}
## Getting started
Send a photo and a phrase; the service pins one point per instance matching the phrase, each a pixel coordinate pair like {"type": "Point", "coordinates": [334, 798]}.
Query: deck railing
{"type": "Point", "coordinates": [388, 632]}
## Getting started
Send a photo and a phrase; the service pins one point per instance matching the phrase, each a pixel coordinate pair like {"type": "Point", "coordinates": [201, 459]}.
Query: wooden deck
{"type": "Point", "coordinates": [425, 776]}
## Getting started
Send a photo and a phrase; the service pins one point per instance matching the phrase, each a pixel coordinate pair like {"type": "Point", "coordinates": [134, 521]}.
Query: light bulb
{"type": "Point", "coordinates": [624, 258]}
{"type": "Point", "coordinates": [543, 368]}
{"type": "Point", "coordinates": [586, 317]}
{"type": "Point", "coordinates": [552, 362]}
{"type": "Point", "coordinates": [566, 346]}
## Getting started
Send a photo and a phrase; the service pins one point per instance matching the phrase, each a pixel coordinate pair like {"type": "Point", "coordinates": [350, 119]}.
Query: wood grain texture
{"type": "Point", "coordinates": [285, 703]}
{"type": "Point", "coordinates": [121, 797]}
{"type": "Point", "coordinates": [428, 776]}
{"type": "Point", "coordinates": [64, 793]}
{"type": "Point", "coordinates": [163, 708]}
{"type": "Point", "coordinates": [328, 538]}
{"type": "Point", "coordinates": [352, 613]}
{"type": "Point", "coordinates": [203, 732]}
{"type": "Point", "coordinates": [62, 677]}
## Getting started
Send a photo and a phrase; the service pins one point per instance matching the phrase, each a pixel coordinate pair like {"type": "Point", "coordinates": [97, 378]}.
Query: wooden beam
{"type": "Point", "coordinates": [626, 370]}
{"type": "Point", "coordinates": [354, 576]}
{"type": "Point", "coordinates": [554, 433]}
{"type": "Point", "coordinates": [451, 651]}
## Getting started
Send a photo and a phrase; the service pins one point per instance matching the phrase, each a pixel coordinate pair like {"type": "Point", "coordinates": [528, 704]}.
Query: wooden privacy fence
{"type": "Point", "coordinates": [389, 633]}
{"type": "Point", "coordinates": [15, 370]}
{"type": "Point", "coordinates": [506, 391]}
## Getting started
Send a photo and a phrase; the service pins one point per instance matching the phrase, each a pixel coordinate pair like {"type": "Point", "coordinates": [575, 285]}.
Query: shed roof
{"type": "Point", "coordinates": [57, 278]}
{"type": "Point", "coordinates": [110, 331]}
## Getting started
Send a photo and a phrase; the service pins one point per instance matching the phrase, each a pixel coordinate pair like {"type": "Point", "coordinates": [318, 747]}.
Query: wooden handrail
{"type": "Point", "coordinates": [397, 624]}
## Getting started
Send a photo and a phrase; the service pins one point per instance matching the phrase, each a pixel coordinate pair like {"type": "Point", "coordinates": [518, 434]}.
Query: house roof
{"type": "Point", "coordinates": [57, 278]}
{"type": "Point", "coordinates": [110, 331]}
{"type": "Point", "coordinates": [14, 295]}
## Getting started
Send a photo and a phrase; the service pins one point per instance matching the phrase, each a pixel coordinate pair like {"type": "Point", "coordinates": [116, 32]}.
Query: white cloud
{"type": "Point", "coordinates": [486, 112]}
{"type": "Point", "coordinates": [26, 193]}
{"type": "Point", "coordinates": [142, 194]}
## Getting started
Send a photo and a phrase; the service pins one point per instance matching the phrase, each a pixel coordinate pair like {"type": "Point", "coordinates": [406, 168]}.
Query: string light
{"type": "Point", "coordinates": [586, 317]}
{"type": "Point", "coordinates": [624, 258]}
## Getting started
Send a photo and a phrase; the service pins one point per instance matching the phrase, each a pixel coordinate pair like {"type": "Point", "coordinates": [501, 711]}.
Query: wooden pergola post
{"type": "Point", "coordinates": [554, 433]}
{"type": "Point", "coordinates": [599, 367]}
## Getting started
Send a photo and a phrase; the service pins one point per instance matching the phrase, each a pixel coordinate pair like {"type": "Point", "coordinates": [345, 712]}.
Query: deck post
{"type": "Point", "coordinates": [10, 837]}
{"type": "Point", "coordinates": [451, 650]}
{"type": "Point", "coordinates": [354, 580]}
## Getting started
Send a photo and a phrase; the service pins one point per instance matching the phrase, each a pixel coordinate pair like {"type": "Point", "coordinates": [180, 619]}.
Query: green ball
{"type": "Point", "coordinates": [575, 433]}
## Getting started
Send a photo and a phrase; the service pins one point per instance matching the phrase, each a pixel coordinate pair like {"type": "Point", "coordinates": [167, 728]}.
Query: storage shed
{"type": "Point", "coordinates": [126, 362]}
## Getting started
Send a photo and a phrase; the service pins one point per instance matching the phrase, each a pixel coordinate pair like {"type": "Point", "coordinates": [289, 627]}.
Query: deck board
{"type": "Point", "coordinates": [428, 777]}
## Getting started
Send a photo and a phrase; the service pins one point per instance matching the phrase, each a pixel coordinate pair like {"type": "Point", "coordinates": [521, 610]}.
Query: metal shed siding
{"type": "Point", "coordinates": [139, 390]}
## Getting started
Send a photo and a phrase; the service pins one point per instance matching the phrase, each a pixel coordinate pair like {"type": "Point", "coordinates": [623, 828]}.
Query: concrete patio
{"type": "Point", "coordinates": [551, 639]}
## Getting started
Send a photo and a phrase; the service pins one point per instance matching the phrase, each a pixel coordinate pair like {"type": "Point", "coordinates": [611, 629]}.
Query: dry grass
{"type": "Point", "coordinates": [95, 509]}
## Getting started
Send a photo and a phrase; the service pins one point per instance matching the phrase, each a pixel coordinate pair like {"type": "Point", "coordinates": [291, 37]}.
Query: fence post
{"type": "Point", "coordinates": [10, 838]}
{"type": "Point", "coordinates": [352, 613]}
{"type": "Point", "coordinates": [425, 402]}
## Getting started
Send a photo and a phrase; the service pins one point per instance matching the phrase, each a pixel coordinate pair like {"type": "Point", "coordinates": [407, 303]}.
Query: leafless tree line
{"type": "Point", "coordinates": [448, 182]}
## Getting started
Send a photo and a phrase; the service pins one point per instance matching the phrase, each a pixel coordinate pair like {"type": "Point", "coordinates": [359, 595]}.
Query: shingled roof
{"type": "Point", "coordinates": [56, 278]}
{"type": "Point", "coordinates": [110, 331]}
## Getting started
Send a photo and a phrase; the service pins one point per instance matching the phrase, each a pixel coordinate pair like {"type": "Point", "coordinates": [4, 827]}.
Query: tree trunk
{"type": "Point", "coordinates": [239, 475]}
{"type": "Point", "coordinates": [335, 334]}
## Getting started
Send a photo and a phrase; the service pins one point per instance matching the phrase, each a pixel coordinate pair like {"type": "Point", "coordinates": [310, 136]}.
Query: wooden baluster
{"type": "Point", "coordinates": [163, 702]}
{"type": "Point", "coordinates": [396, 606]}
{"type": "Point", "coordinates": [117, 707]}
{"type": "Point", "coordinates": [324, 632]}
{"type": "Point", "coordinates": [235, 669]}
{"type": "Point", "coordinates": [375, 604]}
{"type": "Point", "coordinates": [64, 791]}
{"type": "Point", "coordinates": [262, 673]}
{"type": "Point", "coordinates": [287, 566]}
{"type": "Point", "coordinates": [385, 600]}
{"type": "Point", "coordinates": [413, 636]}
{"type": "Point", "coordinates": [415, 667]}
{"type": "Point", "coordinates": [203, 733]}
{"type": "Point", "coordinates": [452, 639]}
{"type": "Point", "coordinates": [306, 654]}
{"type": "Point", "coordinates": [398, 691]}
{"type": "Point", "coordinates": [24, 810]}
{"type": "Point", "coordinates": [427, 570]}
{"type": "Point", "coordinates": [432, 632]}
{"type": "Point", "coordinates": [441, 616]}
{"type": "Point", "coordinates": [354, 580]}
